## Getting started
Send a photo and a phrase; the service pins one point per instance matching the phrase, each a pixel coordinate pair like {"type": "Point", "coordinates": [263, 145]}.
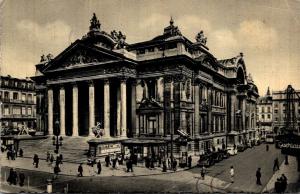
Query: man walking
{"type": "Point", "coordinates": [190, 161]}
{"type": "Point", "coordinates": [107, 160]}
{"type": "Point", "coordinates": [203, 172]}
{"type": "Point", "coordinates": [284, 182]}
{"type": "Point", "coordinates": [231, 174]}
{"type": "Point", "coordinates": [80, 170]}
{"type": "Point", "coordinates": [276, 165]}
{"type": "Point", "coordinates": [99, 167]}
{"type": "Point", "coordinates": [22, 179]}
{"type": "Point", "coordinates": [258, 176]}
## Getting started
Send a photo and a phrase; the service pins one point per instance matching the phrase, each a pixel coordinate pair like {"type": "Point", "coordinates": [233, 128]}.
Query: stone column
{"type": "Point", "coordinates": [197, 103]}
{"type": "Point", "coordinates": [91, 107]}
{"type": "Point", "coordinates": [106, 109]}
{"type": "Point", "coordinates": [118, 132]}
{"type": "Point", "coordinates": [133, 109]}
{"type": "Point", "coordinates": [75, 110]}
{"type": "Point", "coordinates": [167, 104]}
{"type": "Point", "coordinates": [62, 110]}
{"type": "Point", "coordinates": [50, 111]}
{"type": "Point", "coordinates": [123, 108]}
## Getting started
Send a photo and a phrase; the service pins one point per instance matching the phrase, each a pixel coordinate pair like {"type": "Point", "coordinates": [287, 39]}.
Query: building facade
{"type": "Point", "coordinates": [18, 103]}
{"type": "Point", "coordinates": [265, 114]}
{"type": "Point", "coordinates": [168, 90]}
{"type": "Point", "coordinates": [280, 110]}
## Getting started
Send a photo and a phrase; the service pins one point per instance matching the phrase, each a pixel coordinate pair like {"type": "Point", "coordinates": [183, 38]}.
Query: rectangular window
{"type": "Point", "coordinates": [16, 110]}
{"type": "Point", "coordinates": [269, 109]}
{"type": "Point", "coordinates": [263, 116]}
{"type": "Point", "coordinates": [262, 109]}
{"type": "Point", "coordinates": [29, 98]}
{"type": "Point", "coordinates": [269, 116]}
{"type": "Point", "coordinates": [23, 97]}
{"type": "Point", "coordinates": [275, 111]}
{"type": "Point", "coordinates": [23, 111]}
{"type": "Point", "coordinates": [29, 111]}
{"type": "Point", "coordinates": [15, 96]}
{"type": "Point", "coordinates": [6, 110]}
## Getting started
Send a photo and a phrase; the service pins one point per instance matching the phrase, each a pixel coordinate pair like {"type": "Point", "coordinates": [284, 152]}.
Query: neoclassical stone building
{"type": "Point", "coordinates": [142, 93]}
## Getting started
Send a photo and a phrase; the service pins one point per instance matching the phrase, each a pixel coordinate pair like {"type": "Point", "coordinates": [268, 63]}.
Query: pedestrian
{"type": "Point", "coordinates": [276, 165]}
{"type": "Point", "coordinates": [258, 176]}
{"type": "Point", "coordinates": [286, 160]}
{"type": "Point", "coordinates": [147, 162]}
{"type": "Point", "coordinates": [80, 170]}
{"type": "Point", "coordinates": [278, 186]}
{"type": "Point", "coordinates": [164, 166]}
{"type": "Point", "coordinates": [22, 179]}
{"type": "Point", "coordinates": [232, 174]}
{"type": "Point", "coordinates": [61, 158]}
{"type": "Point", "coordinates": [14, 177]}
{"type": "Point", "coordinates": [130, 165]}
{"type": "Point", "coordinates": [21, 152]}
{"type": "Point", "coordinates": [13, 154]}
{"type": "Point", "coordinates": [10, 176]}
{"type": "Point", "coordinates": [159, 161]}
{"type": "Point", "coordinates": [284, 182]}
{"type": "Point", "coordinates": [48, 156]}
{"type": "Point", "coordinates": [190, 161]}
{"type": "Point", "coordinates": [56, 171]}
{"type": "Point", "coordinates": [152, 163]}
{"type": "Point", "coordinates": [203, 172]}
{"type": "Point", "coordinates": [267, 147]}
{"type": "Point", "coordinates": [107, 161]}
{"type": "Point", "coordinates": [36, 160]}
{"type": "Point", "coordinates": [8, 154]}
{"type": "Point", "coordinates": [51, 158]}
{"type": "Point", "coordinates": [174, 164]}
{"type": "Point", "coordinates": [99, 167]}
{"type": "Point", "coordinates": [114, 161]}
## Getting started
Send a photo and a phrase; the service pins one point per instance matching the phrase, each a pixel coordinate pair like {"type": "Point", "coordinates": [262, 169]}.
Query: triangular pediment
{"type": "Point", "coordinates": [79, 55]}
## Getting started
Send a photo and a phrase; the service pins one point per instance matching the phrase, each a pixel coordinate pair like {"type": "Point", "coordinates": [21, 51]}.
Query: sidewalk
{"type": "Point", "coordinates": [70, 169]}
{"type": "Point", "coordinates": [290, 171]}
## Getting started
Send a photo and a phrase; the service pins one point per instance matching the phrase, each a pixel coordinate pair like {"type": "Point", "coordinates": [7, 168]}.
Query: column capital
{"type": "Point", "coordinates": [168, 78]}
{"type": "Point", "coordinates": [90, 82]}
{"type": "Point", "coordinates": [123, 79]}
{"type": "Point", "coordinates": [61, 86]}
{"type": "Point", "coordinates": [106, 81]}
{"type": "Point", "coordinates": [74, 84]}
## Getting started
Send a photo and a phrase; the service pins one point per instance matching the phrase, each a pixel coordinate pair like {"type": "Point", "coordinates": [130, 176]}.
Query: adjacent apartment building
{"type": "Point", "coordinates": [18, 103]}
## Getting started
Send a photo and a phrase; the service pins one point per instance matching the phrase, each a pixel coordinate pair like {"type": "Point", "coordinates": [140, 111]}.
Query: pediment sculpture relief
{"type": "Point", "coordinates": [80, 57]}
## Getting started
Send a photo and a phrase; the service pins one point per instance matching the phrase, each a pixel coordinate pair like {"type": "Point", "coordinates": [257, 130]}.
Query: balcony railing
{"type": "Point", "coordinates": [11, 116]}
{"type": "Point", "coordinates": [8, 100]}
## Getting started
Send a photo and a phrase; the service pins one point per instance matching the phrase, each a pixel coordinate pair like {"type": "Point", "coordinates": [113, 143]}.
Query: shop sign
{"type": "Point", "coordinates": [109, 148]}
{"type": "Point", "coordinates": [292, 149]}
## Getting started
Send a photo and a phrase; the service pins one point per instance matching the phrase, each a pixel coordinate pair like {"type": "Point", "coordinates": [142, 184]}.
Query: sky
{"type": "Point", "coordinates": [266, 31]}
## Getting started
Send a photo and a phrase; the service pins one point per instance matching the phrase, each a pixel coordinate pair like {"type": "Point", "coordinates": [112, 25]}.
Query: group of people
{"type": "Point", "coordinates": [281, 184]}
{"type": "Point", "coordinates": [114, 161]}
{"type": "Point", "coordinates": [13, 177]}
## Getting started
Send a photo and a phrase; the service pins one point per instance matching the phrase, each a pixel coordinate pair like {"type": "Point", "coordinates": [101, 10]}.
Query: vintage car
{"type": "Point", "coordinates": [241, 148]}
{"type": "Point", "coordinates": [232, 151]}
{"type": "Point", "coordinates": [206, 160]}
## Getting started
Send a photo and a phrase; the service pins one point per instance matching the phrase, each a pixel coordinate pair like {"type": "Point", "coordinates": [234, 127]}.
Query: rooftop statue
{"type": "Point", "coordinates": [43, 58]}
{"type": "Point", "coordinates": [95, 24]}
{"type": "Point", "coordinates": [172, 30]}
{"type": "Point", "coordinates": [119, 37]}
{"type": "Point", "coordinates": [201, 38]}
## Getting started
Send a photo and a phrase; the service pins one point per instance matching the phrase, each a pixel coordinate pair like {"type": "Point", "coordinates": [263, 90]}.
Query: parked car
{"type": "Point", "coordinates": [231, 151]}
{"type": "Point", "coordinates": [206, 160]}
{"type": "Point", "coordinates": [217, 156]}
{"type": "Point", "coordinates": [241, 148]}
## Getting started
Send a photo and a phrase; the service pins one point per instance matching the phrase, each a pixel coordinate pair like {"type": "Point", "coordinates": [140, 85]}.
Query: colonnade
{"type": "Point", "coordinates": [121, 107]}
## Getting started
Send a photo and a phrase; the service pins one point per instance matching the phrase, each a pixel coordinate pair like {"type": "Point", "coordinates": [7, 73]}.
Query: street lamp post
{"type": "Point", "coordinates": [57, 141]}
